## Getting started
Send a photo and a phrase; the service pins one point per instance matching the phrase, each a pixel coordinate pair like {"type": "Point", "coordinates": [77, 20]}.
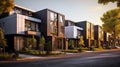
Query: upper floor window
{"type": "Point", "coordinates": [61, 18]}
{"type": "Point", "coordinates": [17, 10]}
{"type": "Point", "coordinates": [31, 26]}
{"type": "Point", "coordinates": [78, 32]}
{"type": "Point", "coordinates": [21, 11]}
{"type": "Point", "coordinates": [53, 22]}
{"type": "Point", "coordinates": [53, 16]}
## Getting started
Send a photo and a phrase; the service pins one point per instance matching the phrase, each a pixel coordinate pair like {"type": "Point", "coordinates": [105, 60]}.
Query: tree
{"type": "Point", "coordinates": [42, 43]}
{"type": "Point", "coordinates": [48, 47]}
{"type": "Point", "coordinates": [31, 42]}
{"type": "Point", "coordinates": [107, 1]}
{"type": "Point", "coordinates": [2, 39]}
{"type": "Point", "coordinates": [81, 41]}
{"type": "Point", "coordinates": [71, 44]}
{"type": "Point", "coordinates": [111, 20]}
{"type": "Point", "coordinates": [6, 5]}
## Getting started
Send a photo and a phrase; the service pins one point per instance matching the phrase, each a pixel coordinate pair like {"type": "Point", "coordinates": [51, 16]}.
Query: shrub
{"type": "Point", "coordinates": [70, 51]}
{"type": "Point", "coordinates": [35, 52]}
{"type": "Point", "coordinates": [26, 49]}
{"type": "Point", "coordinates": [80, 49]}
{"type": "Point", "coordinates": [92, 48]}
{"type": "Point", "coordinates": [8, 56]}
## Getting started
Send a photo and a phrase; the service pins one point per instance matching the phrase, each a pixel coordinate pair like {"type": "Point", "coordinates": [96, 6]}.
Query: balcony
{"type": "Point", "coordinates": [32, 33]}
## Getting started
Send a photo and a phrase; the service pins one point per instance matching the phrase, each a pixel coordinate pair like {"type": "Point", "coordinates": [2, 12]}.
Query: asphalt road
{"type": "Point", "coordinates": [87, 59]}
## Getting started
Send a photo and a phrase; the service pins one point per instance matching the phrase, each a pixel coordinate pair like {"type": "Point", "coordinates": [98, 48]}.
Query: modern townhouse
{"type": "Point", "coordinates": [107, 38]}
{"type": "Point", "coordinates": [98, 35]}
{"type": "Point", "coordinates": [52, 27]}
{"type": "Point", "coordinates": [88, 32]}
{"type": "Point", "coordinates": [18, 25]}
{"type": "Point", "coordinates": [72, 32]}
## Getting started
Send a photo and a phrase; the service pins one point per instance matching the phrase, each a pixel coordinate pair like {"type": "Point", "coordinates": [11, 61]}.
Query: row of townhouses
{"type": "Point", "coordinates": [22, 23]}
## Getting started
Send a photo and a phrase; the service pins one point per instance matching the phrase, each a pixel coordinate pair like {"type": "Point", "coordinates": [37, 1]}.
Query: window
{"type": "Point", "coordinates": [69, 24]}
{"type": "Point", "coordinates": [78, 32]}
{"type": "Point", "coordinates": [31, 26]}
{"type": "Point", "coordinates": [17, 10]}
{"type": "Point", "coordinates": [37, 28]}
{"type": "Point", "coordinates": [53, 22]}
{"type": "Point", "coordinates": [53, 16]}
{"type": "Point", "coordinates": [51, 26]}
{"type": "Point", "coordinates": [27, 25]}
{"type": "Point", "coordinates": [62, 29]}
{"type": "Point", "coordinates": [61, 18]}
{"type": "Point", "coordinates": [88, 28]}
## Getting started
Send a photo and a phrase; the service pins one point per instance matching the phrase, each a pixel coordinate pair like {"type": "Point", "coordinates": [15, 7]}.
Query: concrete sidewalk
{"type": "Point", "coordinates": [25, 57]}
{"type": "Point", "coordinates": [28, 57]}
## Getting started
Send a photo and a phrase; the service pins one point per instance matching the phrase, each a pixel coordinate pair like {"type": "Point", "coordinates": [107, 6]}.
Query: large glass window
{"type": "Point", "coordinates": [88, 30]}
{"type": "Point", "coordinates": [61, 18]}
{"type": "Point", "coordinates": [53, 16]}
{"type": "Point", "coordinates": [78, 32]}
{"type": "Point", "coordinates": [37, 28]}
{"type": "Point", "coordinates": [31, 26]}
{"type": "Point", "coordinates": [51, 26]}
{"type": "Point", "coordinates": [62, 29]}
{"type": "Point", "coordinates": [17, 10]}
{"type": "Point", "coordinates": [27, 25]}
{"type": "Point", "coordinates": [92, 31]}
{"type": "Point", "coordinates": [53, 22]}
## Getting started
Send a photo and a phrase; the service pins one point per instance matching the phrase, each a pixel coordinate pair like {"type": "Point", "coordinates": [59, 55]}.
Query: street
{"type": "Point", "coordinates": [86, 59]}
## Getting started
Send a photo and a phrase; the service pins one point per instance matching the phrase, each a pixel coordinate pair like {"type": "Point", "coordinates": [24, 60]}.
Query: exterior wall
{"type": "Point", "coordinates": [9, 24]}
{"type": "Point", "coordinates": [69, 23]}
{"type": "Point", "coordinates": [106, 36]}
{"type": "Point", "coordinates": [61, 25]}
{"type": "Point", "coordinates": [18, 10]}
{"type": "Point", "coordinates": [96, 32]}
{"type": "Point", "coordinates": [71, 31]}
{"type": "Point", "coordinates": [14, 27]}
{"type": "Point", "coordinates": [52, 27]}
{"type": "Point", "coordinates": [19, 42]}
{"type": "Point", "coordinates": [21, 23]}
{"type": "Point", "coordinates": [98, 35]}
{"type": "Point", "coordinates": [88, 32]}
{"type": "Point", "coordinates": [17, 24]}
{"type": "Point", "coordinates": [92, 31]}
{"type": "Point", "coordinates": [43, 15]}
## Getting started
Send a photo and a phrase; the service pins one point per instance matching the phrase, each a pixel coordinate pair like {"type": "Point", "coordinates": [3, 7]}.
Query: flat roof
{"type": "Point", "coordinates": [24, 8]}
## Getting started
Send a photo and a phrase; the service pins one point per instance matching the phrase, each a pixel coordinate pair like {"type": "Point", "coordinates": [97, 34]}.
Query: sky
{"type": "Point", "coordinates": [75, 10]}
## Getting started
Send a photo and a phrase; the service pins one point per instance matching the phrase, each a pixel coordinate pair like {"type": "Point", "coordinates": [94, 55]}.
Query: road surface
{"type": "Point", "coordinates": [86, 59]}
